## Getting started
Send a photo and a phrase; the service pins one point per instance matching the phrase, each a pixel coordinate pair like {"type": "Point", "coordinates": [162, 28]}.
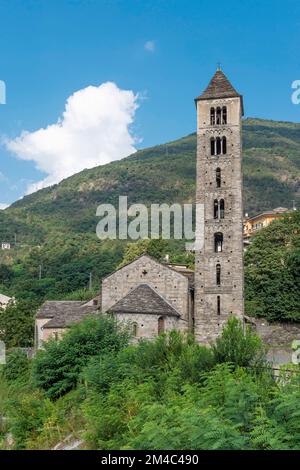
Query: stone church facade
{"type": "Point", "coordinates": [154, 297]}
{"type": "Point", "coordinates": [158, 297]}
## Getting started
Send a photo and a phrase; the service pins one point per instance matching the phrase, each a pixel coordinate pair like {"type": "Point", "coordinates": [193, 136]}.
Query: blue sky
{"type": "Point", "coordinates": [165, 51]}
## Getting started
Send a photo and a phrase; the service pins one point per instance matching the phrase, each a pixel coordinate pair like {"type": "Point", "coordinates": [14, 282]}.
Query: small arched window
{"type": "Point", "coordinates": [218, 239]}
{"type": "Point", "coordinates": [216, 209]}
{"type": "Point", "coordinates": [218, 274]}
{"type": "Point", "coordinates": [224, 115]}
{"type": "Point", "coordinates": [134, 329]}
{"type": "Point", "coordinates": [222, 209]}
{"type": "Point", "coordinates": [218, 177]}
{"type": "Point", "coordinates": [212, 116]}
{"type": "Point", "coordinates": [161, 325]}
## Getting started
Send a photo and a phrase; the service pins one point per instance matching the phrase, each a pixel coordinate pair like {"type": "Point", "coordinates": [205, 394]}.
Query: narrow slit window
{"type": "Point", "coordinates": [161, 325]}
{"type": "Point", "coordinates": [135, 329]}
{"type": "Point", "coordinates": [218, 274]}
{"type": "Point", "coordinates": [218, 305]}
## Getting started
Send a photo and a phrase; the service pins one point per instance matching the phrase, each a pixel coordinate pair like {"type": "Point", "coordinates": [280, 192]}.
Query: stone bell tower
{"type": "Point", "coordinates": [219, 276]}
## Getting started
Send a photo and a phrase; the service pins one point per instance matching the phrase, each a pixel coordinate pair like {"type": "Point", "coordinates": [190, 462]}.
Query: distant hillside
{"type": "Point", "coordinates": [55, 227]}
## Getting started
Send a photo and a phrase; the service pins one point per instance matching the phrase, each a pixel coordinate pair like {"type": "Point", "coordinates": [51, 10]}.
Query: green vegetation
{"type": "Point", "coordinates": [170, 393]}
{"type": "Point", "coordinates": [272, 271]}
{"type": "Point", "coordinates": [16, 323]}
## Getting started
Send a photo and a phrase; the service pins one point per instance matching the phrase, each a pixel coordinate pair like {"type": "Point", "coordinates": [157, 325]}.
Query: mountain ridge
{"type": "Point", "coordinates": [56, 226]}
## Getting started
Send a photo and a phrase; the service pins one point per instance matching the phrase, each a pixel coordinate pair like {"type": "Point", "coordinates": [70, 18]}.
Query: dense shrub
{"type": "Point", "coordinates": [239, 347]}
{"type": "Point", "coordinates": [17, 366]}
{"type": "Point", "coordinates": [57, 368]}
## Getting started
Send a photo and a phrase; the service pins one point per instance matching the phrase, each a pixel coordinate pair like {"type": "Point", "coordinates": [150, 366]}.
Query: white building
{"type": "Point", "coordinates": [4, 300]}
{"type": "Point", "coordinates": [5, 246]}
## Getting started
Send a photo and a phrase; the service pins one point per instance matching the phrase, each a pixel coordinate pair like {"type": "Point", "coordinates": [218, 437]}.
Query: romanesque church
{"type": "Point", "coordinates": [158, 297]}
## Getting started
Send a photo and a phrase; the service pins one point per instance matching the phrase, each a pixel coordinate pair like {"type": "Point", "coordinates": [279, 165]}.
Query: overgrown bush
{"type": "Point", "coordinates": [239, 347]}
{"type": "Point", "coordinates": [57, 368]}
{"type": "Point", "coordinates": [17, 366]}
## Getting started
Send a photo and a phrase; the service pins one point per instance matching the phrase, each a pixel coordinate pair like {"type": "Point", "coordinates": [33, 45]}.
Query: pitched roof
{"type": "Point", "coordinates": [143, 299]}
{"type": "Point", "coordinates": [218, 87]}
{"type": "Point", "coordinates": [51, 308]}
{"type": "Point", "coordinates": [62, 313]}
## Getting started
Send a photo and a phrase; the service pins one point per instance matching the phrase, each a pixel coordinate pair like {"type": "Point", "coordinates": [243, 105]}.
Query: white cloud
{"type": "Point", "coordinates": [93, 130]}
{"type": "Point", "coordinates": [3, 206]}
{"type": "Point", "coordinates": [150, 46]}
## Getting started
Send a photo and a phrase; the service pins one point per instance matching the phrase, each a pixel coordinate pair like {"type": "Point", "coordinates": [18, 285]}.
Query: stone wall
{"type": "Point", "coordinates": [147, 324]}
{"type": "Point", "coordinates": [208, 323]}
{"type": "Point", "coordinates": [50, 333]}
{"type": "Point", "coordinates": [171, 285]}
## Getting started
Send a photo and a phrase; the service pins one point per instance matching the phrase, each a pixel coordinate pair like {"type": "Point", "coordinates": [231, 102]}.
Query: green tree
{"type": "Point", "coordinates": [16, 323]}
{"type": "Point", "coordinates": [239, 347]}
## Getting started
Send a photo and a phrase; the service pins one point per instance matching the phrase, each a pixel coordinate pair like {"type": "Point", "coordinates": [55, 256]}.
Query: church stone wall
{"type": "Point", "coordinates": [147, 324]}
{"type": "Point", "coordinates": [168, 283]}
{"type": "Point", "coordinates": [208, 323]}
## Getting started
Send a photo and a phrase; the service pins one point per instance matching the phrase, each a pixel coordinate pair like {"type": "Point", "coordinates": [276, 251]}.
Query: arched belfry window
{"type": "Point", "coordinates": [218, 274]}
{"type": "Point", "coordinates": [222, 209]}
{"type": "Point", "coordinates": [218, 116]}
{"type": "Point", "coordinates": [218, 146]}
{"type": "Point", "coordinates": [218, 177]}
{"type": "Point", "coordinates": [161, 325]}
{"type": "Point", "coordinates": [218, 239]}
{"type": "Point", "coordinates": [224, 146]}
{"type": "Point", "coordinates": [219, 209]}
{"type": "Point", "coordinates": [212, 146]}
{"type": "Point", "coordinates": [216, 209]}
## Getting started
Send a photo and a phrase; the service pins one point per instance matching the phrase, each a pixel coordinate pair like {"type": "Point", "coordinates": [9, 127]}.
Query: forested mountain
{"type": "Point", "coordinates": [55, 227]}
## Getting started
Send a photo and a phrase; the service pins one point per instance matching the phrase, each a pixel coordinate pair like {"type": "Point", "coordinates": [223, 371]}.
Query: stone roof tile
{"type": "Point", "coordinates": [218, 87]}
{"type": "Point", "coordinates": [143, 299]}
